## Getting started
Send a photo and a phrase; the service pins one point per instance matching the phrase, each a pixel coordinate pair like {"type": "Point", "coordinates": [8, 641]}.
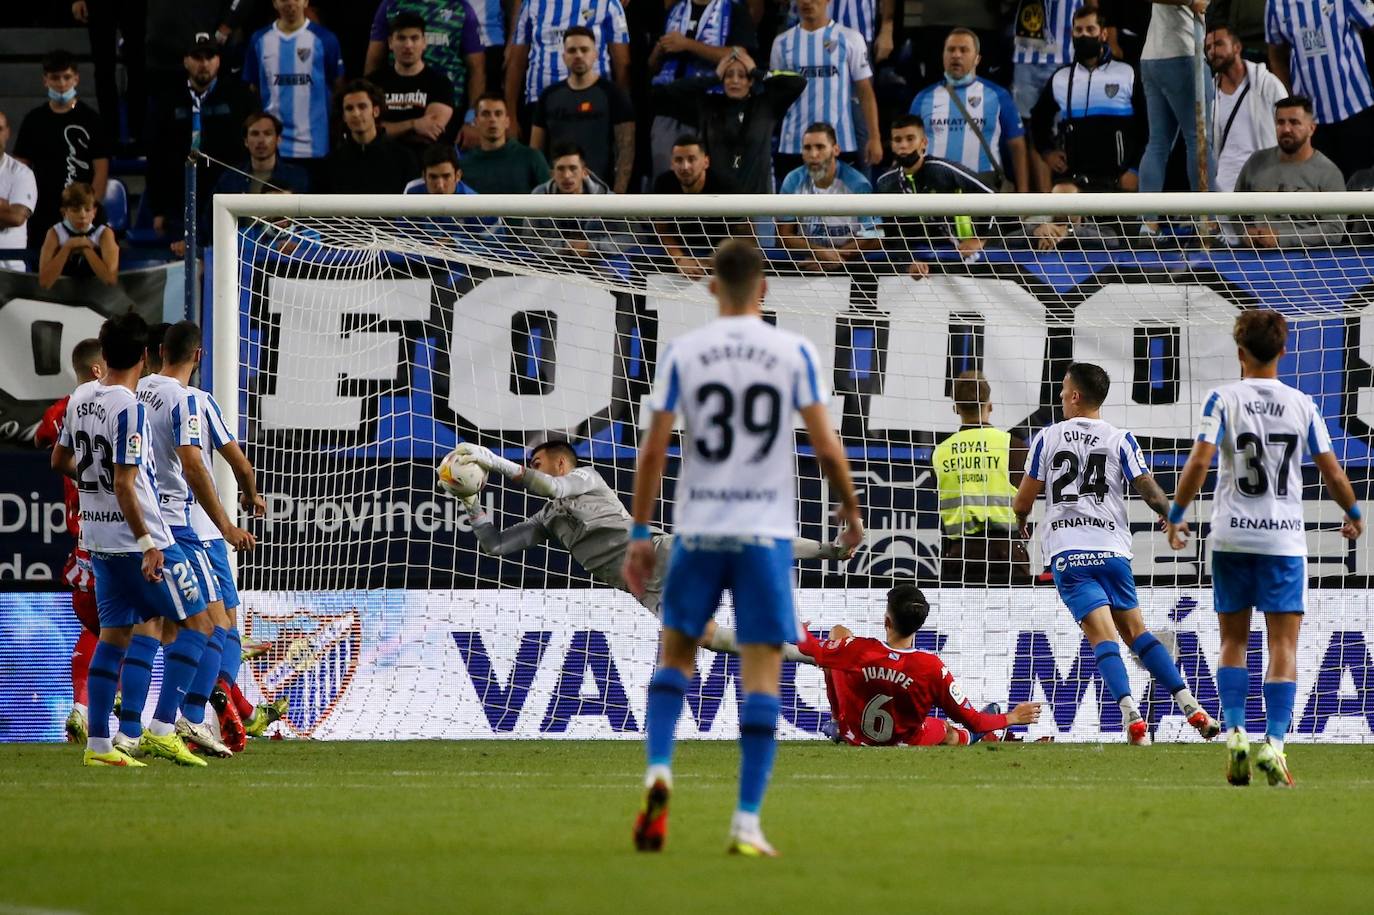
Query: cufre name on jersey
{"type": "Point", "coordinates": [888, 674]}
{"type": "Point", "coordinates": [746, 351]}
{"type": "Point", "coordinates": [1078, 435]}
{"type": "Point", "coordinates": [91, 408]}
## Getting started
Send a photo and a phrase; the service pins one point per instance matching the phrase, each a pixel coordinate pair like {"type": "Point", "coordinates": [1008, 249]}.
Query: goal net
{"type": "Point", "coordinates": [358, 340]}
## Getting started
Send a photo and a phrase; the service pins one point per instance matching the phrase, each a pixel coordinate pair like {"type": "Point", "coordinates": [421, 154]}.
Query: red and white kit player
{"type": "Point", "coordinates": [882, 692]}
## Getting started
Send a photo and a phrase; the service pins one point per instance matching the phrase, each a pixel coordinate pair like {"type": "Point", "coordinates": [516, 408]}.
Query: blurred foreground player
{"type": "Point", "coordinates": [737, 383]}
{"type": "Point", "coordinates": [1261, 427]}
{"type": "Point", "coordinates": [881, 692]}
{"type": "Point", "coordinates": [77, 573]}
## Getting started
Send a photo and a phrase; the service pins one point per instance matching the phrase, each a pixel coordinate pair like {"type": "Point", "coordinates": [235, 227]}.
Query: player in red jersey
{"type": "Point", "coordinates": [77, 573]}
{"type": "Point", "coordinates": [881, 692]}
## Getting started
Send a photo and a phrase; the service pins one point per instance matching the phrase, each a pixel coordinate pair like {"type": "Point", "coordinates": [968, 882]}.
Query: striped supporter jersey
{"type": "Point", "coordinates": [295, 76]}
{"type": "Point", "coordinates": [541, 25]}
{"type": "Point", "coordinates": [832, 58]}
{"type": "Point", "coordinates": [952, 136]}
{"type": "Point", "coordinates": [1326, 55]}
{"type": "Point", "coordinates": [1055, 28]}
{"type": "Point", "coordinates": [859, 15]}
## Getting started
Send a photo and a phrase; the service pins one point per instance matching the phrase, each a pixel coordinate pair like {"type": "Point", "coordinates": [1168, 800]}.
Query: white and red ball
{"type": "Point", "coordinates": [460, 480]}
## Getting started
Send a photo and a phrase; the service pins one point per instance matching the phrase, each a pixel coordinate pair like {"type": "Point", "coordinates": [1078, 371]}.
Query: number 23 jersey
{"type": "Point", "coordinates": [1084, 464]}
{"type": "Point", "coordinates": [737, 383]}
{"type": "Point", "coordinates": [1261, 428]}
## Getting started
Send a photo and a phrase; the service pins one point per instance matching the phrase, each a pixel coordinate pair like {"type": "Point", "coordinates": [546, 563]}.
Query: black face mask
{"type": "Point", "coordinates": [908, 160]}
{"type": "Point", "coordinates": [1085, 48]}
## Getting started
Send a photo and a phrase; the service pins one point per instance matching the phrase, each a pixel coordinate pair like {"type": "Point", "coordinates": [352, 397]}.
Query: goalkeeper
{"type": "Point", "coordinates": [587, 517]}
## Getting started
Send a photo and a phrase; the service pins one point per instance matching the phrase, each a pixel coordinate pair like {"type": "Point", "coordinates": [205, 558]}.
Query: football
{"type": "Point", "coordinates": [460, 480]}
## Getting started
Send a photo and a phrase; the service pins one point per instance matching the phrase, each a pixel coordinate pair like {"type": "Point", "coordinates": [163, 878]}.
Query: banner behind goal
{"type": "Point", "coordinates": [358, 340]}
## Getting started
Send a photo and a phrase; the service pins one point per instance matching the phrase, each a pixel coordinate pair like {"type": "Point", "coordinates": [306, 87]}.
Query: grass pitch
{"type": "Point", "coordinates": [545, 827]}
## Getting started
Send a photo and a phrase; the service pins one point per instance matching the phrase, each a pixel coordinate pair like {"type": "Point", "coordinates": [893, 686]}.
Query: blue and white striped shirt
{"type": "Point", "coordinates": [832, 58]}
{"type": "Point", "coordinates": [859, 15]}
{"type": "Point", "coordinates": [491, 22]}
{"type": "Point", "coordinates": [1055, 45]}
{"type": "Point", "coordinates": [835, 230]}
{"type": "Point", "coordinates": [1326, 55]}
{"type": "Point", "coordinates": [541, 26]}
{"type": "Point", "coordinates": [295, 76]}
{"type": "Point", "coordinates": [992, 110]}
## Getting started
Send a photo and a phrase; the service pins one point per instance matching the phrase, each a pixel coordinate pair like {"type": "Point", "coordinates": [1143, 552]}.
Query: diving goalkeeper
{"type": "Point", "coordinates": [588, 519]}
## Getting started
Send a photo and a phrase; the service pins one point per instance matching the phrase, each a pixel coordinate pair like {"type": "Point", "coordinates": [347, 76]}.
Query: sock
{"type": "Point", "coordinates": [101, 680]}
{"type": "Point", "coordinates": [207, 671]}
{"type": "Point", "coordinates": [134, 682]}
{"type": "Point", "coordinates": [1278, 709]}
{"type": "Point", "coordinates": [241, 704]}
{"type": "Point", "coordinates": [1113, 670]}
{"type": "Point", "coordinates": [81, 662]}
{"type": "Point", "coordinates": [666, 691]}
{"type": "Point", "coordinates": [232, 657]}
{"type": "Point", "coordinates": [1232, 685]}
{"type": "Point", "coordinates": [179, 662]}
{"type": "Point", "coordinates": [758, 725]}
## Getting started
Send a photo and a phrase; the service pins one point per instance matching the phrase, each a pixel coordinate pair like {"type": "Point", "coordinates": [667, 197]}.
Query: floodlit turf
{"type": "Point", "coordinates": [545, 827]}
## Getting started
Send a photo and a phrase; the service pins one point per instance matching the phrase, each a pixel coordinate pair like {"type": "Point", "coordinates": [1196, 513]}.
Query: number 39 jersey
{"type": "Point", "coordinates": [737, 382]}
{"type": "Point", "coordinates": [106, 426]}
{"type": "Point", "coordinates": [1261, 428]}
{"type": "Point", "coordinates": [1084, 464]}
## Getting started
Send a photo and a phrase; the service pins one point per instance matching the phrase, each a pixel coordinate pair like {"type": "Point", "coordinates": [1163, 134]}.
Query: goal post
{"type": "Point", "coordinates": [356, 339]}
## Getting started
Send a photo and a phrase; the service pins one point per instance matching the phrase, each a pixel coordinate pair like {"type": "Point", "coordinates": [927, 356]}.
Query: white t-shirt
{"type": "Point", "coordinates": [214, 435]}
{"type": "Point", "coordinates": [1085, 464]}
{"type": "Point", "coordinates": [737, 382]}
{"type": "Point", "coordinates": [1170, 33]}
{"type": "Point", "coordinates": [174, 419]}
{"type": "Point", "coordinates": [1240, 142]}
{"type": "Point", "coordinates": [18, 186]}
{"type": "Point", "coordinates": [1261, 428]}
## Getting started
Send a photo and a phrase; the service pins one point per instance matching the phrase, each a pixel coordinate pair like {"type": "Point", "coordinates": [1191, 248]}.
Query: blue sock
{"type": "Point", "coordinates": [101, 679]}
{"type": "Point", "coordinates": [758, 727]}
{"type": "Point", "coordinates": [134, 681]}
{"type": "Point", "coordinates": [198, 693]}
{"type": "Point", "coordinates": [1278, 707]}
{"type": "Point", "coordinates": [666, 691]}
{"type": "Point", "coordinates": [179, 662]}
{"type": "Point", "coordinates": [1158, 662]}
{"type": "Point", "coordinates": [231, 657]}
{"type": "Point", "coordinates": [1232, 685]}
{"type": "Point", "coordinates": [1112, 668]}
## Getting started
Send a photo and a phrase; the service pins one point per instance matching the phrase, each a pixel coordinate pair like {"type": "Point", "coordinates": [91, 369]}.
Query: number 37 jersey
{"type": "Point", "coordinates": [1084, 464]}
{"type": "Point", "coordinates": [737, 383]}
{"type": "Point", "coordinates": [1261, 428]}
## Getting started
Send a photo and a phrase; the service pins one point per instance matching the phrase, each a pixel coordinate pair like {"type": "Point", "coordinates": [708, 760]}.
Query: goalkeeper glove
{"type": "Point", "coordinates": [469, 453]}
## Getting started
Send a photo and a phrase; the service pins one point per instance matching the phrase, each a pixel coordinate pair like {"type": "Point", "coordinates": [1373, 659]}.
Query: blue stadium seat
{"type": "Point", "coordinates": [116, 205]}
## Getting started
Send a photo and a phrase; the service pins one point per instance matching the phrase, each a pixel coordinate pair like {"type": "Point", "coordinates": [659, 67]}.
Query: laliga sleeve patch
{"type": "Point", "coordinates": [193, 427]}
{"type": "Point", "coordinates": [133, 447]}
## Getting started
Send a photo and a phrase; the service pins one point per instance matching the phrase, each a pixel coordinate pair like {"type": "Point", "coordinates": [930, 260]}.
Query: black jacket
{"type": "Point", "coordinates": [935, 176]}
{"type": "Point", "coordinates": [222, 112]}
{"type": "Point", "coordinates": [1101, 119]}
{"type": "Point", "coordinates": [381, 167]}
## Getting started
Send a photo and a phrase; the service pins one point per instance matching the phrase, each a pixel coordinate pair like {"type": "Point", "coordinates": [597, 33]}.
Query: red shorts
{"type": "Point", "coordinates": [83, 604]}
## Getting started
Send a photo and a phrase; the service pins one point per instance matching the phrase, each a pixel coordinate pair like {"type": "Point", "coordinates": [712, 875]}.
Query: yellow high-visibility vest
{"type": "Point", "coordinates": [973, 470]}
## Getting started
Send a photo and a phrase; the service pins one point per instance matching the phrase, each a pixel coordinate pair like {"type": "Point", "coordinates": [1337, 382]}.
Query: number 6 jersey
{"type": "Point", "coordinates": [1261, 428]}
{"type": "Point", "coordinates": [1084, 464]}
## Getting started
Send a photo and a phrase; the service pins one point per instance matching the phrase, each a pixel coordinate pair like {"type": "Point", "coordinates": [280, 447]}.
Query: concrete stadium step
{"type": "Point", "coordinates": [34, 43]}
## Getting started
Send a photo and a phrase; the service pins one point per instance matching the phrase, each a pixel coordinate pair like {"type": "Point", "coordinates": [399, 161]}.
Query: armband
{"type": "Point", "coordinates": [1175, 513]}
{"type": "Point", "coordinates": [640, 532]}
{"type": "Point", "coordinates": [1353, 512]}
{"type": "Point", "coordinates": [145, 543]}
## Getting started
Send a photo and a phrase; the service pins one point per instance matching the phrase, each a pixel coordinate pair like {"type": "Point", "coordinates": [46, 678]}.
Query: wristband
{"type": "Point", "coordinates": [1175, 512]}
{"type": "Point", "coordinates": [1353, 512]}
{"type": "Point", "coordinates": [640, 532]}
{"type": "Point", "coordinates": [145, 543]}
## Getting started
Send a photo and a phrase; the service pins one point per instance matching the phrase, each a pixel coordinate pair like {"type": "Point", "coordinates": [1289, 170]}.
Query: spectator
{"type": "Point", "coordinates": [419, 99]}
{"type": "Point", "coordinates": [264, 171]}
{"type": "Point", "coordinates": [971, 119]}
{"type": "Point", "coordinates": [583, 237]}
{"type": "Point", "coordinates": [1166, 69]}
{"type": "Point", "coordinates": [498, 165]}
{"type": "Point", "coordinates": [1042, 43]}
{"type": "Point", "coordinates": [698, 35]}
{"type": "Point", "coordinates": [738, 122]}
{"type": "Point", "coordinates": [18, 197]}
{"type": "Point", "coordinates": [588, 110]}
{"type": "Point", "coordinates": [442, 172]}
{"type": "Point", "coordinates": [222, 102]}
{"type": "Point", "coordinates": [917, 173]}
{"type": "Point", "coordinates": [1047, 233]}
{"type": "Point", "coordinates": [1089, 124]}
{"type": "Point", "coordinates": [834, 60]}
{"type": "Point", "coordinates": [75, 246]}
{"type": "Point", "coordinates": [1242, 113]}
{"type": "Point", "coordinates": [828, 242]}
{"type": "Point", "coordinates": [116, 25]}
{"type": "Point", "coordinates": [367, 161]}
{"type": "Point", "coordinates": [1293, 165]}
{"type": "Point", "coordinates": [690, 243]}
{"type": "Point", "coordinates": [1316, 49]}
{"type": "Point", "coordinates": [295, 66]}
{"type": "Point", "coordinates": [535, 59]}
{"type": "Point", "coordinates": [450, 43]}
{"type": "Point", "coordinates": [63, 142]}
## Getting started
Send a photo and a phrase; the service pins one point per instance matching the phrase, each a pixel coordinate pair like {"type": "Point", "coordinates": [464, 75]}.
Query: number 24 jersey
{"type": "Point", "coordinates": [1084, 464]}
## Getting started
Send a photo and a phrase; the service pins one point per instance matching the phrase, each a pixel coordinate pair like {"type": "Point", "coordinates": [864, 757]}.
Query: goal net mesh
{"type": "Point", "coordinates": [370, 346]}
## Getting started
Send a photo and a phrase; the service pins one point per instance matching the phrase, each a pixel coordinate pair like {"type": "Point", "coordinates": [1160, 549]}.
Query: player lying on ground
{"type": "Point", "coordinates": [881, 692]}
{"type": "Point", "coordinates": [586, 516]}
{"type": "Point", "coordinates": [1088, 538]}
{"type": "Point", "coordinates": [1261, 427]}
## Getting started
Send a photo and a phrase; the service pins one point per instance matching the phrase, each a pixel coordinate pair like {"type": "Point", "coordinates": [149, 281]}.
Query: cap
{"type": "Point", "coordinates": [203, 46]}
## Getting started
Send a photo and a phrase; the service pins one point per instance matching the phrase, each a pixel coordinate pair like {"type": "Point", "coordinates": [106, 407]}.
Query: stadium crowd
{"type": "Point", "coordinates": [697, 96]}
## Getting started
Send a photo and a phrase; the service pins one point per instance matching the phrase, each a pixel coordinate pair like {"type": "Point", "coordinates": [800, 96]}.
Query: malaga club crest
{"type": "Point", "coordinates": [310, 659]}
{"type": "Point", "coordinates": [302, 54]}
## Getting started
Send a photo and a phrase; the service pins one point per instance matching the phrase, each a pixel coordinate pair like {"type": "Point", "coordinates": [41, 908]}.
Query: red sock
{"type": "Point", "coordinates": [81, 662]}
{"type": "Point", "coordinates": [244, 707]}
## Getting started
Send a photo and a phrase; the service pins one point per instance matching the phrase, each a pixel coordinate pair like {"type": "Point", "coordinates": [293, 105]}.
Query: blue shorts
{"type": "Point", "coordinates": [1270, 584]}
{"type": "Point", "coordinates": [123, 597]}
{"type": "Point", "coordinates": [217, 551]}
{"type": "Point", "coordinates": [200, 563]}
{"type": "Point", "coordinates": [1087, 580]}
{"type": "Point", "coordinates": [756, 571]}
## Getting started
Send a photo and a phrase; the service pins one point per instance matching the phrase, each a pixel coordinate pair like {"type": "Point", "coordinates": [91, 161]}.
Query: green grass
{"type": "Point", "coordinates": [544, 827]}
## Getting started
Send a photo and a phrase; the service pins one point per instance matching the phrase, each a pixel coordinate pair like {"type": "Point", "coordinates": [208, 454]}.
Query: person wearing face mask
{"type": "Point", "coordinates": [63, 141]}
{"type": "Point", "coordinates": [1089, 124]}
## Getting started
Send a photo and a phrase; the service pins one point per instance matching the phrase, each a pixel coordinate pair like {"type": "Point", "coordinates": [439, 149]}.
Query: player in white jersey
{"type": "Point", "coordinates": [1087, 539]}
{"type": "Point", "coordinates": [1261, 427]}
{"type": "Point", "coordinates": [737, 383]}
{"type": "Point", "coordinates": [140, 572]}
